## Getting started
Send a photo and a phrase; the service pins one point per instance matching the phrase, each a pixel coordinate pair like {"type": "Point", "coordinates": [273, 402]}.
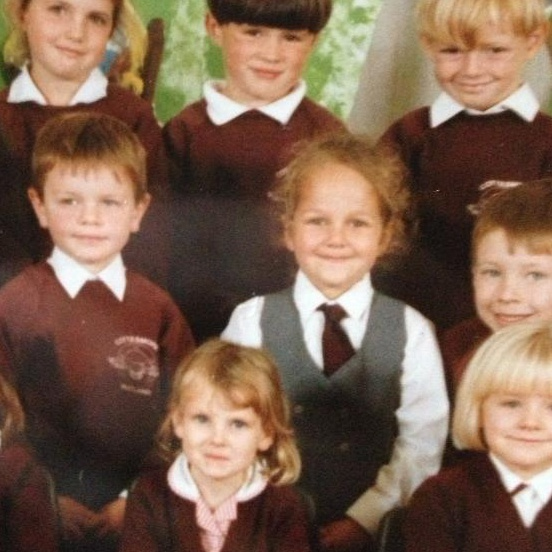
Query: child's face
{"type": "Point", "coordinates": [337, 231]}
{"type": "Point", "coordinates": [262, 64]}
{"type": "Point", "coordinates": [511, 284]}
{"type": "Point", "coordinates": [90, 214]}
{"type": "Point", "coordinates": [220, 441]}
{"type": "Point", "coordinates": [518, 429]}
{"type": "Point", "coordinates": [67, 38]}
{"type": "Point", "coordinates": [481, 77]}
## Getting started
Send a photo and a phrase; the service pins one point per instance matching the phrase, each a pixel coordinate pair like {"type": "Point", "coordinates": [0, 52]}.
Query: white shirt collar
{"type": "Point", "coordinates": [541, 483]}
{"type": "Point", "coordinates": [23, 89]}
{"type": "Point", "coordinates": [221, 109]}
{"type": "Point", "coordinates": [72, 276]}
{"type": "Point", "coordinates": [522, 102]}
{"type": "Point", "coordinates": [182, 483]}
{"type": "Point", "coordinates": [356, 300]}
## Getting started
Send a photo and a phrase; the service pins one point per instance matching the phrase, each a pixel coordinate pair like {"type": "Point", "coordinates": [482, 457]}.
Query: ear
{"type": "Point", "coordinates": [265, 443]}
{"type": "Point", "coordinates": [428, 47]}
{"type": "Point", "coordinates": [535, 41]}
{"type": "Point", "coordinates": [176, 421]}
{"type": "Point", "coordinates": [38, 207]}
{"type": "Point", "coordinates": [214, 28]}
{"type": "Point", "coordinates": [140, 209]}
{"type": "Point", "coordinates": [288, 235]}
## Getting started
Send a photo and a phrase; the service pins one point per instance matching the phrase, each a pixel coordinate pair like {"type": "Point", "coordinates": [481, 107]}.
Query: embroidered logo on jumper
{"type": "Point", "coordinates": [136, 362]}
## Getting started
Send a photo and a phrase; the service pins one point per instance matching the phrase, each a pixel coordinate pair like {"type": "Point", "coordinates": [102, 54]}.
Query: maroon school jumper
{"type": "Point", "coordinates": [467, 509]}
{"type": "Point", "coordinates": [93, 375]}
{"type": "Point", "coordinates": [28, 520]}
{"type": "Point", "coordinates": [158, 520]}
{"type": "Point", "coordinates": [228, 243]}
{"type": "Point", "coordinates": [448, 163]}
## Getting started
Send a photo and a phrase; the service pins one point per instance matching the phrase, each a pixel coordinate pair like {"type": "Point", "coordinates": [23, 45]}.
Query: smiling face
{"type": "Point", "coordinates": [221, 441]}
{"type": "Point", "coordinates": [485, 74]}
{"type": "Point", "coordinates": [67, 39]}
{"type": "Point", "coordinates": [518, 430]}
{"type": "Point", "coordinates": [336, 231]}
{"type": "Point", "coordinates": [262, 64]}
{"type": "Point", "coordinates": [511, 283]}
{"type": "Point", "coordinates": [90, 213]}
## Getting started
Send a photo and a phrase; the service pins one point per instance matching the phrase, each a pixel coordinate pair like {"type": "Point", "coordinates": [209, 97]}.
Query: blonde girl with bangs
{"type": "Point", "coordinates": [227, 433]}
{"type": "Point", "coordinates": [498, 497]}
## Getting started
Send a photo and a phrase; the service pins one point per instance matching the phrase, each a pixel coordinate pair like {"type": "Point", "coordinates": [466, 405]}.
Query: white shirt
{"type": "Point", "coordinates": [72, 276]}
{"type": "Point", "coordinates": [422, 417]}
{"type": "Point", "coordinates": [221, 109]}
{"type": "Point", "coordinates": [24, 89]}
{"type": "Point", "coordinates": [522, 102]}
{"type": "Point", "coordinates": [530, 501]}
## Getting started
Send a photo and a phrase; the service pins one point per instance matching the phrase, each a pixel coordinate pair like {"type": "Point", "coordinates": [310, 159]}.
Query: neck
{"type": "Point", "coordinates": [58, 93]}
{"type": "Point", "coordinates": [214, 492]}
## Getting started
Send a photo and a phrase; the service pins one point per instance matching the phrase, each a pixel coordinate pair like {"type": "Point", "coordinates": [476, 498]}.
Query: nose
{"type": "Point", "coordinates": [76, 27]}
{"type": "Point", "coordinates": [271, 48]}
{"type": "Point", "coordinates": [336, 235]}
{"type": "Point", "coordinates": [472, 62]}
{"type": "Point", "coordinates": [218, 434]}
{"type": "Point", "coordinates": [530, 416]}
{"type": "Point", "coordinates": [508, 289]}
{"type": "Point", "coordinates": [89, 213]}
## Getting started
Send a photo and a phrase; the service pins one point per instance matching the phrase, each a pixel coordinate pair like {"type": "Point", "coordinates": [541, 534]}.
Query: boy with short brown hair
{"type": "Point", "coordinates": [90, 346]}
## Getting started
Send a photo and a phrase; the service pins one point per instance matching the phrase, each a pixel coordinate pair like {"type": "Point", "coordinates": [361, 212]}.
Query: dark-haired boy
{"type": "Point", "coordinates": [227, 148]}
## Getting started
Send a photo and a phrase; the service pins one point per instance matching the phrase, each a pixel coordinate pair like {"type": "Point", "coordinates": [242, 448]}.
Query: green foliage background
{"type": "Point", "coordinates": [190, 58]}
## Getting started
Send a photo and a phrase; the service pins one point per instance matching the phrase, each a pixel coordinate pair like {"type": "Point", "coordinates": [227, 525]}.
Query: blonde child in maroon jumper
{"type": "Point", "coordinates": [228, 435]}
{"type": "Point", "coordinates": [486, 124]}
{"type": "Point", "coordinates": [500, 498]}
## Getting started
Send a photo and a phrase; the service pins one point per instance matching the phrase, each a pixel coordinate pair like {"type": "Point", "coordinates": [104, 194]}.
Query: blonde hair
{"type": "Point", "coordinates": [11, 412]}
{"type": "Point", "coordinates": [378, 165]}
{"type": "Point", "coordinates": [247, 377]}
{"type": "Point", "coordinates": [88, 140]}
{"type": "Point", "coordinates": [516, 359]}
{"type": "Point", "coordinates": [125, 18]}
{"type": "Point", "coordinates": [524, 213]}
{"type": "Point", "coordinates": [460, 21]}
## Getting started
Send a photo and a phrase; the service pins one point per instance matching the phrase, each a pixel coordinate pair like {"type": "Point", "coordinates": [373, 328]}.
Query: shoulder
{"type": "Point", "coordinates": [26, 288]}
{"type": "Point", "coordinates": [321, 118]}
{"type": "Point", "coordinates": [462, 339]}
{"type": "Point", "coordinates": [193, 115]}
{"type": "Point", "coordinates": [127, 106]}
{"type": "Point", "coordinates": [472, 475]}
{"type": "Point", "coordinates": [281, 501]}
{"type": "Point", "coordinates": [408, 128]}
{"type": "Point", "coordinates": [143, 291]}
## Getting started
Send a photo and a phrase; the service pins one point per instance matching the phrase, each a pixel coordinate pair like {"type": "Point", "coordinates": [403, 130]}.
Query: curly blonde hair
{"type": "Point", "coordinates": [380, 166]}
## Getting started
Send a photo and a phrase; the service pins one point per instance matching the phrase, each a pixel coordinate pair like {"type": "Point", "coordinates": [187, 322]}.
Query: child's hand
{"type": "Point", "coordinates": [345, 535]}
{"type": "Point", "coordinates": [76, 520]}
{"type": "Point", "coordinates": [112, 516]}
